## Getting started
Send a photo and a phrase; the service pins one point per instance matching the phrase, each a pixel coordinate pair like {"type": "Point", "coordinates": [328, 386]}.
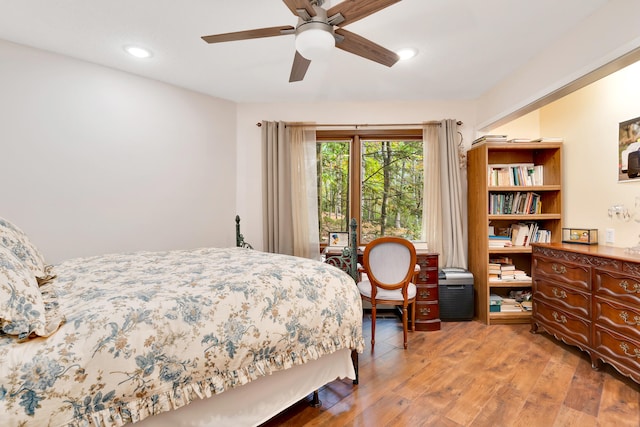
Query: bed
{"type": "Point", "coordinates": [208, 336]}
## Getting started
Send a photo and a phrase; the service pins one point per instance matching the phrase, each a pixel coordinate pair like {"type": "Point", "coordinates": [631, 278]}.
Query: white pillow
{"type": "Point", "coordinates": [16, 240]}
{"type": "Point", "coordinates": [22, 309]}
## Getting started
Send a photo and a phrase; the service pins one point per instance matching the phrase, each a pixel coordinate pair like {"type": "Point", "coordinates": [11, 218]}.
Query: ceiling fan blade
{"type": "Point", "coordinates": [294, 5]}
{"type": "Point", "coordinates": [249, 34]}
{"type": "Point", "coordinates": [354, 10]}
{"type": "Point", "coordinates": [360, 46]}
{"type": "Point", "coordinates": [299, 68]}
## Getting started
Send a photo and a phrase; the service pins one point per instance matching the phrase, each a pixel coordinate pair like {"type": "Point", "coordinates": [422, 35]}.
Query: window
{"type": "Point", "coordinates": [376, 177]}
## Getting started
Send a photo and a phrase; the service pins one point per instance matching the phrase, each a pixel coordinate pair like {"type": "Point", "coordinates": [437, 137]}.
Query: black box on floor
{"type": "Point", "coordinates": [455, 294]}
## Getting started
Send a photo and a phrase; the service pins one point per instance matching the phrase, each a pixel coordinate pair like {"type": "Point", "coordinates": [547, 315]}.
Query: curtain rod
{"type": "Point", "coordinates": [433, 122]}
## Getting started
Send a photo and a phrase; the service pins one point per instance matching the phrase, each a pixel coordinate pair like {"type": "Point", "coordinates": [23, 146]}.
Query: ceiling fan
{"type": "Point", "coordinates": [319, 30]}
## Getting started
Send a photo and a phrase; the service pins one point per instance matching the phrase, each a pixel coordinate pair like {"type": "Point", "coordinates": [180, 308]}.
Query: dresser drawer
{"type": "Point", "coordinates": [427, 292]}
{"type": "Point", "coordinates": [618, 349]}
{"type": "Point", "coordinates": [560, 322]}
{"type": "Point", "coordinates": [617, 286]}
{"type": "Point", "coordinates": [564, 297]}
{"type": "Point", "coordinates": [427, 261]}
{"type": "Point", "coordinates": [428, 276]}
{"type": "Point", "coordinates": [617, 317]}
{"type": "Point", "coordinates": [427, 310]}
{"type": "Point", "coordinates": [567, 273]}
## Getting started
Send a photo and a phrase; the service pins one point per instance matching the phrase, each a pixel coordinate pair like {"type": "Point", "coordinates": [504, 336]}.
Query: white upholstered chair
{"type": "Point", "coordinates": [390, 267]}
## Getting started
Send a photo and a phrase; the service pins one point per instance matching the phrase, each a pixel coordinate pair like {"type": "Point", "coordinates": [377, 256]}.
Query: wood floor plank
{"type": "Point", "coordinates": [620, 401]}
{"type": "Point", "coordinates": [471, 374]}
{"type": "Point", "coordinates": [545, 399]}
{"type": "Point", "coordinates": [568, 417]}
{"type": "Point", "coordinates": [585, 389]}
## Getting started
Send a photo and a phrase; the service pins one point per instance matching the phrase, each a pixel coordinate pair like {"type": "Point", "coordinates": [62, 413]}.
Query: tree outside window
{"type": "Point", "coordinates": [374, 178]}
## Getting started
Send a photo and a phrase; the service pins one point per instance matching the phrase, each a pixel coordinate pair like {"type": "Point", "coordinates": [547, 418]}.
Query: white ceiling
{"type": "Point", "coordinates": [465, 46]}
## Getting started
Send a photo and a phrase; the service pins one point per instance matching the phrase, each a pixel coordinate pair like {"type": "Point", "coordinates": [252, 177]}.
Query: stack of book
{"type": "Point", "coordinates": [510, 305]}
{"type": "Point", "coordinates": [548, 139]}
{"type": "Point", "coordinates": [494, 272]}
{"type": "Point", "coordinates": [489, 138]}
{"type": "Point", "coordinates": [543, 139]}
{"type": "Point", "coordinates": [499, 241]}
{"type": "Point", "coordinates": [507, 272]}
{"type": "Point", "coordinates": [502, 269]}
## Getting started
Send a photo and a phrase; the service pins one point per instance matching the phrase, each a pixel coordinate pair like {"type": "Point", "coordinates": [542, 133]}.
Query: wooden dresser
{"type": "Point", "coordinates": [589, 296]}
{"type": "Point", "coordinates": [427, 305]}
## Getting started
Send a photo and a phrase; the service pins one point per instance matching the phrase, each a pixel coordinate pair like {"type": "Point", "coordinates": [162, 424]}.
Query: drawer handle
{"type": "Point", "coordinates": [625, 318]}
{"type": "Point", "coordinates": [625, 285]}
{"type": "Point", "coordinates": [560, 269]}
{"type": "Point", "coordinates": [425, 294]}
{"type": "Point", "coordinates": [625, 347]}
{"type": "Point", "coordinates": [424, 311]}
{"type": "Point", "coordinates": [559, 318]}
{"type": "Point", "coordinates": [559, 293]}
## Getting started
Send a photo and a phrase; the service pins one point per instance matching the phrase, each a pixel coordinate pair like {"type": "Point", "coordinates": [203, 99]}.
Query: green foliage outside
{"type": "Point", "coordinates": [392, 188]}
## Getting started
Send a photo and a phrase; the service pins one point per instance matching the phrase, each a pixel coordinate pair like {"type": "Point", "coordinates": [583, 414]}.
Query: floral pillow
{"type": "Point", "coordinates": [16, 240]}
{"type": "Point", "coordinates": [22, 307]}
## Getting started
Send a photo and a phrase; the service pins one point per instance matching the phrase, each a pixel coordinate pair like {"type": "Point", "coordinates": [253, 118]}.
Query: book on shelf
{"type": "Point", "coordinates": [521, 275]}
{"type": "Point", "coordinates": [516, 203]}
{"type": "Point", "coordinates": [519, 234]}
{"type": "Point", "coordinates": [489, 138]}
{"type": "Point", "coordinates": [515, 175]}
{"type": "Point", "coordinates": [510, 308]}
{"type": "Point", "coordinates": [519, 140]}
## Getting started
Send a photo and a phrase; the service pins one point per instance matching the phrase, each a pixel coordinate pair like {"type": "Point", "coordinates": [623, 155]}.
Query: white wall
{"type": "Point", "coordinates": [249, 194]}
{"type": "Point", "coordinates": [589, 120]}
{"type": "Point", "coordinates": [608, 34]}
{"type": "Point", "coordinates": [95, 160]}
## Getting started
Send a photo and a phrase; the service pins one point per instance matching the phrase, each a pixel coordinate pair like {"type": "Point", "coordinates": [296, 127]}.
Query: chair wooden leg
{"type": "Point", "coordinates": [373, 325]}
{"type": "Point", "coordinates": [404, 325]}
{"type": "Point", "coordinates": [413, 317]}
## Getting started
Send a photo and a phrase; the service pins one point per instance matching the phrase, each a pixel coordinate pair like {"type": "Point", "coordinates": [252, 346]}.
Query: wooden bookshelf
{"type": "Point", "coordinates": [479, 158]}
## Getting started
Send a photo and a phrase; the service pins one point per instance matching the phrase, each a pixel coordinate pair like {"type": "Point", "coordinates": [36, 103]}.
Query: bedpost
{"type": "Point", "coordinates": [353, 271]}
{"type": "Point", "coordinates": [353, 255]}
{"type": "Point", "coordinates": [239, 237]}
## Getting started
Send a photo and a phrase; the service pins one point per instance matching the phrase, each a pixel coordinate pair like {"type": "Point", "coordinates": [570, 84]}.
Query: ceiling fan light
{"type": "Point", "coordinates": [315, 43]}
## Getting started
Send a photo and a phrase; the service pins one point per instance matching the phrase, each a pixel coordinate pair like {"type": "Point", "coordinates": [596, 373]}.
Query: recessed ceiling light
{"type": "Point", "coordinates": [407, 53]}
{"type": "Point", "coordinates": [137, 51]}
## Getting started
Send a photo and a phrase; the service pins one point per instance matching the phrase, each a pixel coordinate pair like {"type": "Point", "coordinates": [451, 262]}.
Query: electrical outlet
{"type": "Point", "coordinates": [610, 235]}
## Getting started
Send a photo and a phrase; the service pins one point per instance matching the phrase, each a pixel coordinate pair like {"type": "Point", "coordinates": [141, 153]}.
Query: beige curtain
{"type": "Point", "coordinates": [432, 212]}
{"type": "Point", "coordinates": [290, 221]}
{"type": "Point", "coordinates": [445, 225]}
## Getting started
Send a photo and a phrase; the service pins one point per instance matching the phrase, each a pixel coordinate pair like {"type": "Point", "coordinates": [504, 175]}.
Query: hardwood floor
{"type": "Point", "coordinates": [470, 374]}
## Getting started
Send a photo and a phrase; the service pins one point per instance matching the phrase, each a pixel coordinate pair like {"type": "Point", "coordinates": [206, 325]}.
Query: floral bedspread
{"type": "Point", "coordinates": [149, 332]}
